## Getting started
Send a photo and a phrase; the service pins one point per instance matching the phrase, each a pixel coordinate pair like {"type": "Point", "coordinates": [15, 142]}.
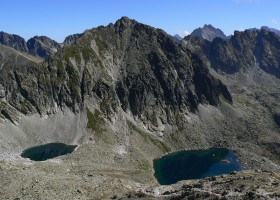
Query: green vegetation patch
{"type": "Point", "coordinates": [95, 121]}
{"type": "Point", "coordinates": [100, 44]}
{"type": "Point", "coordinates": [87, 52]}
{"type": "Point", "coordinates": [149, 138]}
{"type": "Point", "coordinates": [72, 52]}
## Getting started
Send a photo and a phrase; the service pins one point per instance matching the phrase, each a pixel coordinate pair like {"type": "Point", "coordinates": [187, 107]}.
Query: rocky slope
{"type": "Point", "coordinates": [71, 39]}
{"type": "Point", "coordinates": [126, 93]}
{"type": "Point", "coordinates": [208, 32]}
{"type": "Point", "coordinates": [242, 185]}
{"type": "Point", "coordinates": [12, 62]}
{"type": "Point", "coordinates": [249, 65]}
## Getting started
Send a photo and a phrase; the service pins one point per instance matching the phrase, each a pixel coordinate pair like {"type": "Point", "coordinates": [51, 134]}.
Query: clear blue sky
{"type": "Point", "coordinates": [59, 18]}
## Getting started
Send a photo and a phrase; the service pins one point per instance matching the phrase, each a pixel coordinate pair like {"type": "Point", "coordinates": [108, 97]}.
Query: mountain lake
{"type": "Point", "coordinates": [47, 151]}
{"type": "Point", "coordinates": [195, 164]}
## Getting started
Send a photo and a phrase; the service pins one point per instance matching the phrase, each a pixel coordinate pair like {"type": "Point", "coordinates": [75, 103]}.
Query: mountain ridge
{"type": "Point", "coordinates": [40, 46]}
{"type": "Point", "coordinates": [240, 49]}
{"type": "Point", "coordinates": [50, 46]}
{"type": "Point", "coordinates": [127, 94]}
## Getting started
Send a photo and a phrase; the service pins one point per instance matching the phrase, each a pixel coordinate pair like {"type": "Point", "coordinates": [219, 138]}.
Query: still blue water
{"type": "Point", "coordinates": [195, 164]}
{"type": "Point", "coordinates": [47, 151]}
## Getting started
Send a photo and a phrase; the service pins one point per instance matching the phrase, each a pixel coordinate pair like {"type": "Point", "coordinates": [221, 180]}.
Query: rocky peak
{"type": "Point", "coordinates": [208, 32]}
{"type": "Point", "coordinates": [124, 23]}
{"type": "Point", "coordinates": [71, 39]}
{"type": "Point", "coordinates": [13, 41]}
{"type": "Point", "coordinates": [177, 38]}
{"type": "Point", "coordinates": [153, 65]}
{"type": "Point", "coordinates": [208, 26]}
{"type": "Point", "coordinates": [42, 46]}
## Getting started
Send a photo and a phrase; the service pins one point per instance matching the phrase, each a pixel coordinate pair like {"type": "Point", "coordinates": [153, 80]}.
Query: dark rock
{"type": "Point", "coordinates": [277, 119]}
{"type": "Point", "coordinates": [42, 46]}
{"type": "Point", "coordinates": [13, 41]}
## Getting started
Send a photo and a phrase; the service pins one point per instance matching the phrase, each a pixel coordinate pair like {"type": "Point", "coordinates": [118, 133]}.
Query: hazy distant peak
{"type": "Point", "coordinates": [276, 31]}
{"type": "Point", "coordinates": [177, 38]}
{"type": "Point", "coordinates": [209, 32]}
{"type": "Point", "coordinates": [209, 26]}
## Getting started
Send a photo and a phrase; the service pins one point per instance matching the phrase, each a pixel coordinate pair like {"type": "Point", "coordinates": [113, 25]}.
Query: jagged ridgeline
{"type": "Point", "coordinates": [126, 65]}
{"type": "Point", "coordinates": [243, 51]}
{"type": "Point", "coordinates": [39, 46]}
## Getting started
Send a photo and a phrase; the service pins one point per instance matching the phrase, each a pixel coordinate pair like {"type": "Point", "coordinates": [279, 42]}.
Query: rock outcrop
{"type": "Point", "coordinates": [238, 185]}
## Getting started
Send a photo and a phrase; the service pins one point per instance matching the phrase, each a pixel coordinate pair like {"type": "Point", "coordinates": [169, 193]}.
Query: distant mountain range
{"type": "Point", "coordinates": [209, 32]}
{"type": "Point", "coordinates": [42, 46]}
{"type": "Point", "coordinates": [243, 51]}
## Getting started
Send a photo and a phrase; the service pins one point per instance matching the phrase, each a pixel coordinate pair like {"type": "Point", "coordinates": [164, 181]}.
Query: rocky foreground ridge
{"type": "Point", "coordinates": [127, 93]}
{"type": "Point", "coordinates": [241, 185]}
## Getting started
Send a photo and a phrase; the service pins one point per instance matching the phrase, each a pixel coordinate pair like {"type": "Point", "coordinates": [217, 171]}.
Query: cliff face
{"type": "Point", "coordinates": [14, 67]}
{"type": "Point", "coordinates": [125, 65]}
